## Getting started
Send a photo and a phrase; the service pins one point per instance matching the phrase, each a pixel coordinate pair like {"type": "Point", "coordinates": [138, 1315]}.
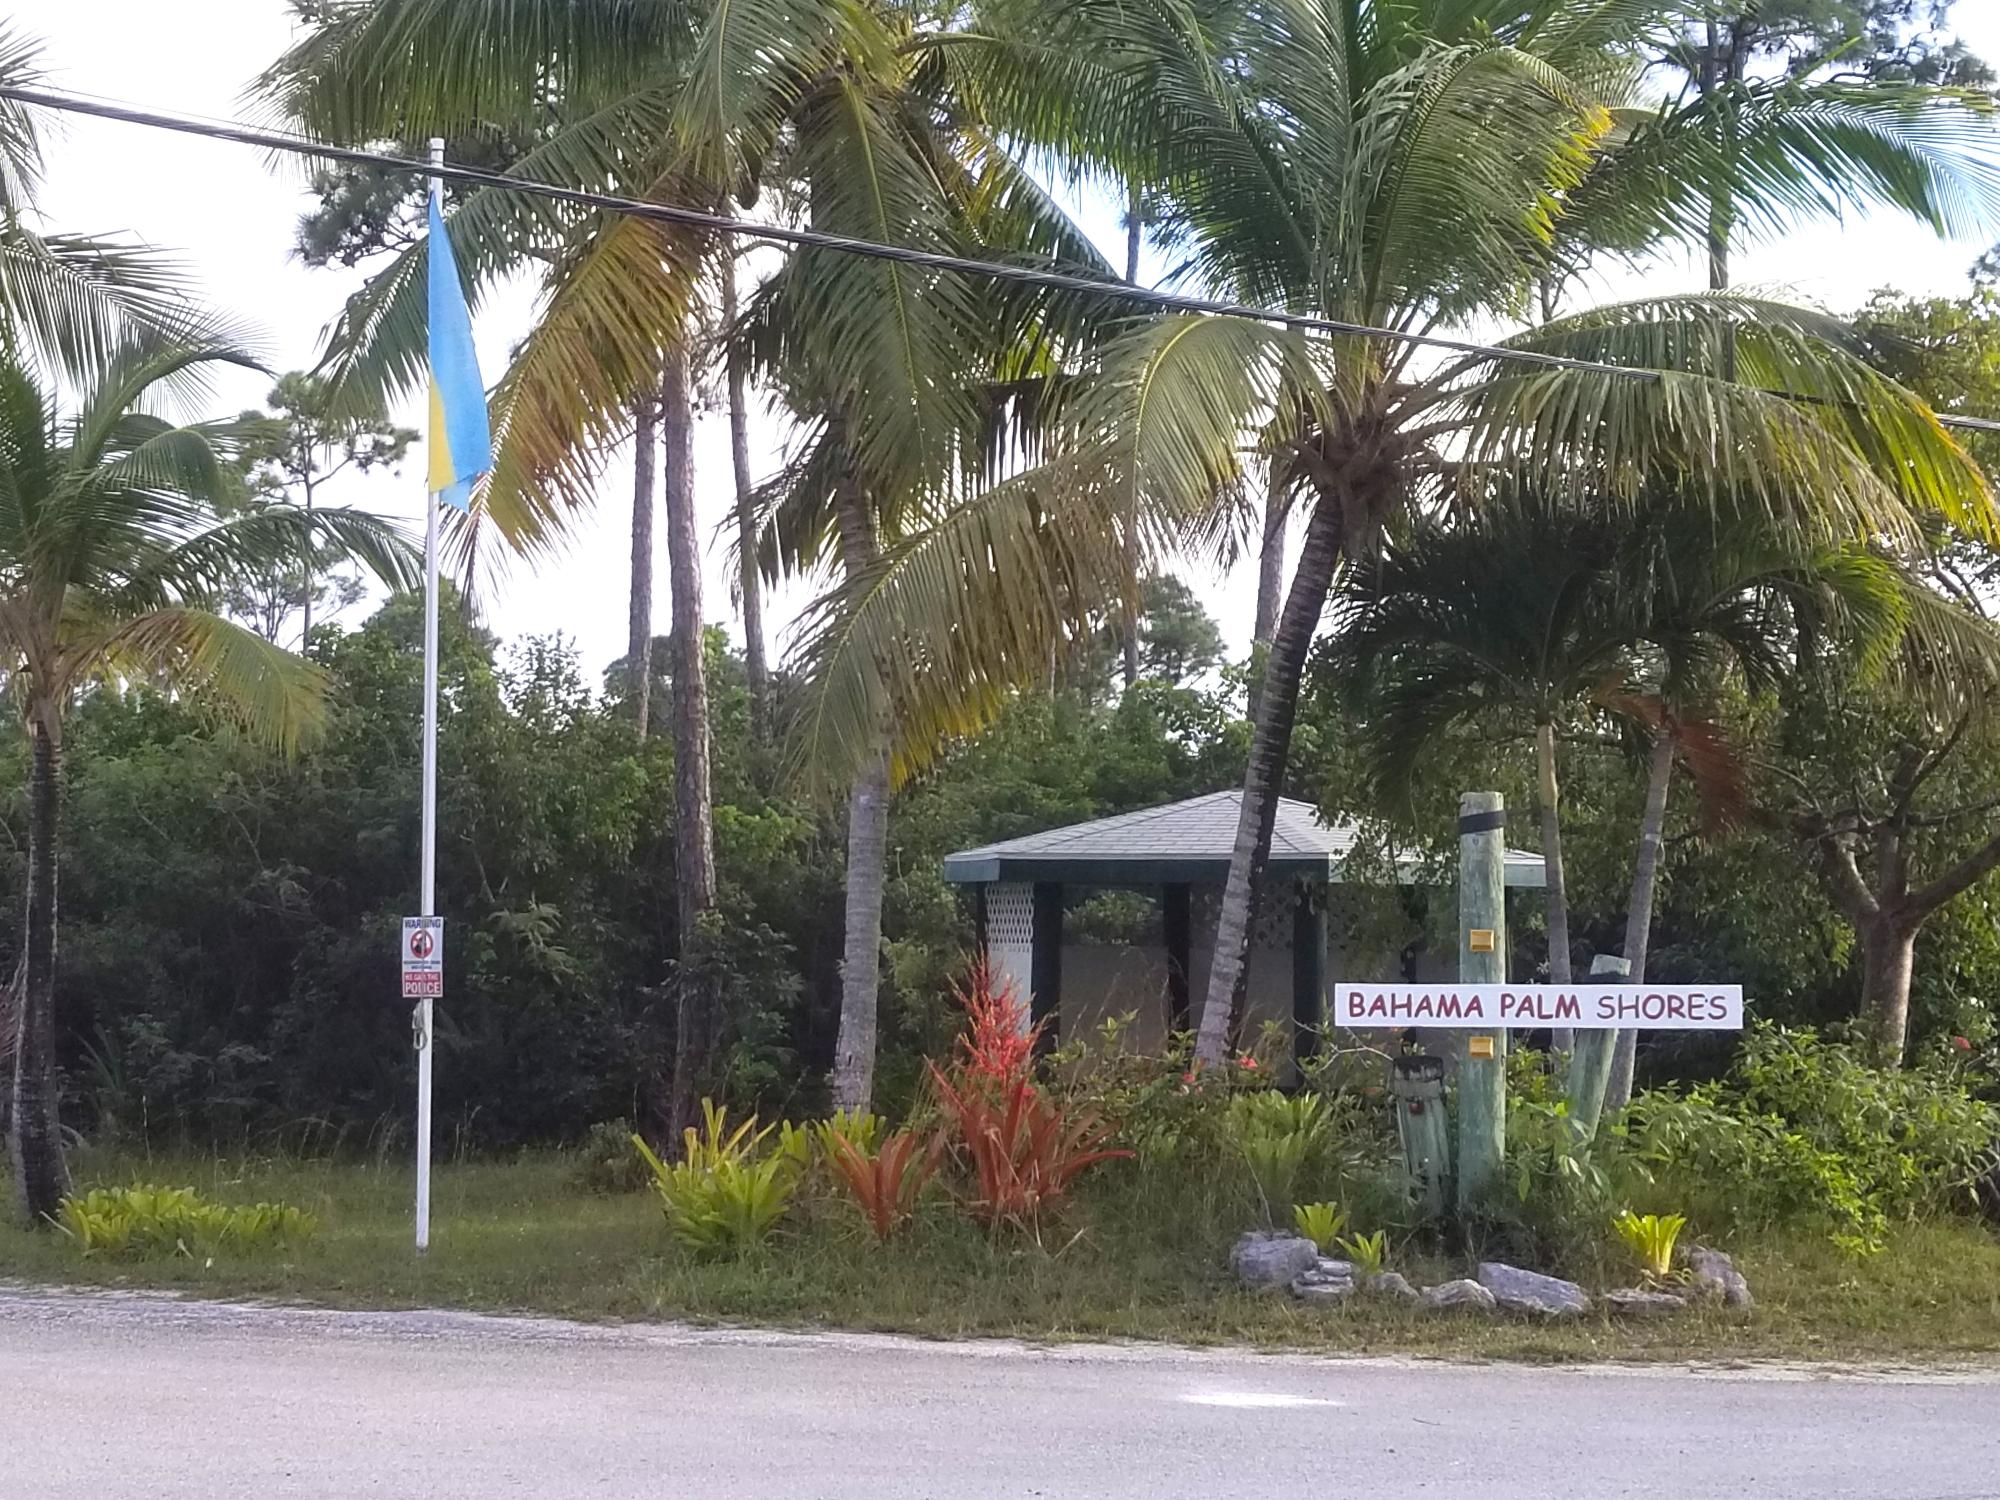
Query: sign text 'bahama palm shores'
{"type": "Point", "coordinates": [1584, 1007]}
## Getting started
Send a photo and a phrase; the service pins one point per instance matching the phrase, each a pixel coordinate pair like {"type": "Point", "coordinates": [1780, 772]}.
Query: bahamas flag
{"type": "Point", "coordinates": [460, 444]}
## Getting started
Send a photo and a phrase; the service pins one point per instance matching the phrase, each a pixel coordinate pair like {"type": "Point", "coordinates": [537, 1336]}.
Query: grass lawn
{"type": "Point", "coordinates": [519, 1237]}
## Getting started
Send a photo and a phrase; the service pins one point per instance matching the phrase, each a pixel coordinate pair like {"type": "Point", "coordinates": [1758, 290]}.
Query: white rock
{"type": "Point", "coordinates": [1531, 1292]}
{"type": "Point", "coordinates": [1716, 1276]}
{"type": "Point", "coordinates": [1272, 1257]}
{"type": "Point", "coordinates": [1448, 1294]}
{"type": "Point", "coordinates": [1635, 1302]}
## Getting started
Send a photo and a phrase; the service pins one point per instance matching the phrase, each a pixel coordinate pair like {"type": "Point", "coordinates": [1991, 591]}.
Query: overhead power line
{"type": "Point", "coordinates": [695, 218]}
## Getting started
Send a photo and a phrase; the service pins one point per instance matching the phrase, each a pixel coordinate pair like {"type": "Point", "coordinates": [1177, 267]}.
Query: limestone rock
{"type": "Point", "coordinates": [1272, 1258]}
{"type": "Point", "coordinates": [1531, 1292]}
{"type": "Point", "coordinates": [1315, 1286]}
{"type": "Point", "coordinates": [1715, 1275]}
{"type": "Point", "coordinates": [1448, 1294]}
{"type": "Point", "coordinates": [1635, 1302]}
{"type": "Point", "coordinates": [1330, 1267]}
{"type": "Point", "coordinates": [1390, 1284]}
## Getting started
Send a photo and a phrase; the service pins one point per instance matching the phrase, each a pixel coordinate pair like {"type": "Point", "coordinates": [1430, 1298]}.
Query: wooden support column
{"type": "Point", "coordinates": [979, 936]}
{"type": "Point", "coordinates": [1308, 968]}
{"type": "Point", "coordinates": [1045, 968]}
{"type": "Point", "coordinates": [1177, 927]}
{"type": "Point", "coordinates": [1482, 959]}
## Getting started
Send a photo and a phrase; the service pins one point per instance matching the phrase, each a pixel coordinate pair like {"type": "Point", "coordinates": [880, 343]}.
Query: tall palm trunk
{"type": "Point", "coordinates": [1128, 612]}
{"type": "Point", "coordinates": [1270, 571]}
{"type": "Point", "coordinates": [694, 838]}
{"type": "Point", "coordinates": [1270, 742]}
{"type": "Point", "coordinates": [867, 864]}
{"type": "Point", "coordinates": [749, 580]}
{"type": "Point", "coordinates": [1549, 792]}
{"type": "Point", "coordinates": [1639, 910]}
{"type": "Point", "coordinates": [639, 619]}
{"type": "Point", "coordinates": [40, 1175]}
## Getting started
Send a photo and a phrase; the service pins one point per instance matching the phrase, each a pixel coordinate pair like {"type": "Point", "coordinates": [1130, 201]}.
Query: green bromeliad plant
{"type": "Point", "coordinates": [723, 1196]}
{"type": "Point", "coordinates": [144, 1220]}
{"type": "Point", "coordinates": [1650, 1238]}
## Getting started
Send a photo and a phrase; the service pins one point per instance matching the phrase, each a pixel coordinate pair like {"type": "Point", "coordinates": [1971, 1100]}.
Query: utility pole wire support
{"type": "Point", "coordinates": [693, 218]}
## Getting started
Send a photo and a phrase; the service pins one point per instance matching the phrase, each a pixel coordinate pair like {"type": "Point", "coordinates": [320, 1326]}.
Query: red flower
{"type": "Point", "coordinates": [1962, 1043]}
{"type": "Point", "coordinates": [1247, 1063]}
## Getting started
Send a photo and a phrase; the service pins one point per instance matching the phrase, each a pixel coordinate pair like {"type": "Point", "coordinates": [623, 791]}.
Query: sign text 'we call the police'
{"type": "Point", "coordinates": [1582, 1007]}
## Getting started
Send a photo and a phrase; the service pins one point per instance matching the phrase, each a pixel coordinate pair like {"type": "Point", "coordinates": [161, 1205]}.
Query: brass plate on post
{"type": "Point", "coordinates": [1479, 1046]}
{"type": "Point", "coordinates": [1479, 940]}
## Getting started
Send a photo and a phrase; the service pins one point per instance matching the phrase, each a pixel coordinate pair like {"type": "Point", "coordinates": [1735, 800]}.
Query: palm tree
{"type": "Point", "coordinates": [1412, 168]}
{"type": "Point", "coordinates": [69, 302]}
{"type": "Point", "coordinates": [845, 109]}
{"type": "Point", "coordinates": [749, 548]}
{"type": "Point", "coordinates": [1511, 616]}
{"type": "Point", "coordinates": [113, 554]}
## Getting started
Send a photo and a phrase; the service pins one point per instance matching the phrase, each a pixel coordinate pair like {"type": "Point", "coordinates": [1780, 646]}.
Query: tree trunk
{"type": "Point", "coordinates": [306, 627]}
{"type": "Point", "coordinates": [1270, 576]}
{"type": "Point", "coordinates": [1639, 910]}
{"type": "Point", "coordinates": [867, 865]}
{"type": "Point", "coordinates": [1270, 741]}
{"type": "Point", "coordinates": [749, 580]}
{"type": "Point", "coordinates": [1128, 617]}
{"type": "Point", "coordinates": [639, 620]}
{"type": "Point", "coordinates": [861, 956]}
{"type": "Point", "coordinates": [1550, 796]}
{"type": "Point", "coordinates": [694, 838]}
{"type": "Point", "coordinates": [41, 1177]}
{"type": "Point", "coordinates": [1888, 953]}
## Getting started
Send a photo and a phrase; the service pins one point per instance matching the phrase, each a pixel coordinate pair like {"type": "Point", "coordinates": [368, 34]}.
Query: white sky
{"type": "Point", "coordinates": [232, 216]}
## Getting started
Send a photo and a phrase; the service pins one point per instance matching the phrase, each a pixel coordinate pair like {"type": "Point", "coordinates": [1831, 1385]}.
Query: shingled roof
{"type": "Point", "coordinates": [1182, 841]}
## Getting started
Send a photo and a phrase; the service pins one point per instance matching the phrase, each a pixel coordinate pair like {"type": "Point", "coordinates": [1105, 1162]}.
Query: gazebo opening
{"type": "Point", "coordinates": [1081, 961]}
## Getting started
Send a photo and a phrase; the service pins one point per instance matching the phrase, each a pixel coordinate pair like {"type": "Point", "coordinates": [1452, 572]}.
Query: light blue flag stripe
{"type": "Point", "coordinates": [461, 442]}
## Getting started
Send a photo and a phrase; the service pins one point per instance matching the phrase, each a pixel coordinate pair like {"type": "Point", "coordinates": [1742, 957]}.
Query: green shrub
{"type": "Point", "coordinates": [1802, 1131]}
{"type": "Point", "coordinates": [606, 1162]}
{"type": "Point", "coordinates": [1557, 1192]}
{"type": "Point", "coordinates": [144, 1220]}
{"type": "Point", "coordinates": [1275, 1135]}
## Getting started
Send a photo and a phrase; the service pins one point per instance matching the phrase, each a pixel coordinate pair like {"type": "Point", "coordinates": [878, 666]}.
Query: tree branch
{"type": "Point", "coordinates": [1960, 878]}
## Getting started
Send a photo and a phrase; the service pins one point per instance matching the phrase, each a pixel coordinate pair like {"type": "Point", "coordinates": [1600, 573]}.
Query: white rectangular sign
{"type": "Point", "coordinates": [423, 958]}
{"type": "Point", "coordinates": [1582, 1007]}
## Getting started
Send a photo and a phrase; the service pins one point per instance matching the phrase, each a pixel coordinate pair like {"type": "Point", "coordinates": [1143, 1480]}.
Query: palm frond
{"type": "Point", "coordinates": [274, 695]}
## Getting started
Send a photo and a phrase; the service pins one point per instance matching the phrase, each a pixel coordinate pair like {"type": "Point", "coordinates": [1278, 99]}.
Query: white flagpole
{"type": "Point", "coordinates": [428, 892]}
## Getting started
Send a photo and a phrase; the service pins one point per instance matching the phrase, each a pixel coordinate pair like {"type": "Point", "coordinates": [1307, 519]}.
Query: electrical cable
{"type": "Point", "coordinates": [694, 218]}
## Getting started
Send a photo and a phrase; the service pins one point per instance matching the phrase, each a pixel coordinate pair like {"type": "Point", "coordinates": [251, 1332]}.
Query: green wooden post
{"type": "Point", "coordinates": [1482, 959]}
{"type": "Point", "coordinates": [1590, 1062]}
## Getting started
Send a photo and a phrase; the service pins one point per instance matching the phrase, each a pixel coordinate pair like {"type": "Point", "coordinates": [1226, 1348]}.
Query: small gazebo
{"type": "Point", "coordinates": [1181, 851]}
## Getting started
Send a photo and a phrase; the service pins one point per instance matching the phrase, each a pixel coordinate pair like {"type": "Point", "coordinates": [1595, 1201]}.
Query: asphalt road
{"type": "Point", "coordinates": [129, 1395]}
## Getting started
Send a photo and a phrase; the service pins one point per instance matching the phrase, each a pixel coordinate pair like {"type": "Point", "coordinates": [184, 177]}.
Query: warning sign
{"type": "Point", "coordinates": [423, 958]}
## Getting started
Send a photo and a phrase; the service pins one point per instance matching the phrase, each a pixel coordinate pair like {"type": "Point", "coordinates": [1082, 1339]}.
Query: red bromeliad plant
{"type": "Point", "coordinates": [1024, 1150]}
{"type": "Point", "coordinates": [998, 1044]}
{"type": "Point", "coordinates": [886, 1182]}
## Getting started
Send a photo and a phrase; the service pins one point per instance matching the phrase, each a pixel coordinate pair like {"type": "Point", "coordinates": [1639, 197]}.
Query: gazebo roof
{"type": "Point", "coordinates": [1182, 841]}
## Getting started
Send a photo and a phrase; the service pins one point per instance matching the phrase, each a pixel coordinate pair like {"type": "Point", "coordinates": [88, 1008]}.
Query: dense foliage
{"type": "Point", "coordinates": [230, 926]}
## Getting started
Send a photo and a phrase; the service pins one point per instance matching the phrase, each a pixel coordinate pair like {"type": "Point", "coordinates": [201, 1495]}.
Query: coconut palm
{"type": "Point", "coordinates": [1410, 168]}
{"type": "Point", "coordinates": [68, 302]}
{"type": "Point", "coordinates": [844, 111]}
{"type": "Point", "coordinates": [113, 556]}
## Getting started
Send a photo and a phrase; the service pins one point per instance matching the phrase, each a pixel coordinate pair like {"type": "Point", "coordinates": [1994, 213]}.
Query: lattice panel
{"type": "Point", "coordinates": [1271, 929]}
{"type": "Point", "coordinates": [1010, 935]}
